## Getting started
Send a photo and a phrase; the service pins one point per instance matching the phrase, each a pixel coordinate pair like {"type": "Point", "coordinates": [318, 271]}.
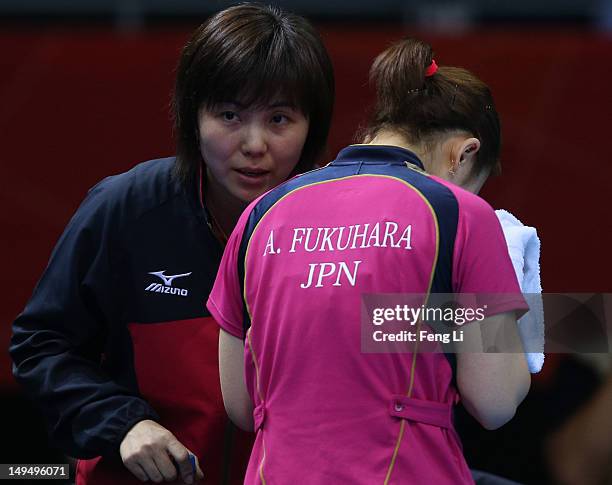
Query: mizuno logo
{"type": "Point", "coordinates": [167, 286]}
{"type": "Point", "coordinates": [168, 279]}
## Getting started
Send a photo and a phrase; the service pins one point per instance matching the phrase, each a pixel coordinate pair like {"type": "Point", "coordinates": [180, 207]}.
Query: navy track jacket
{"type": "Point", "coordinates": [116, 330]}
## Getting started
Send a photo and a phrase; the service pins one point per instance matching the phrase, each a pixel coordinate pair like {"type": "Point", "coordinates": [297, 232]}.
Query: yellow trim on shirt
{"type": "Point", "coordinates": [263, 443]}
{"type": "Point", "coordinates": [254, 358]}
{"type": "Point", "coordinates": [416, 347]}
{"type": "Point", "coordinates": [263, 459]}
{"type": "Point", "coordinates": [435, 260]}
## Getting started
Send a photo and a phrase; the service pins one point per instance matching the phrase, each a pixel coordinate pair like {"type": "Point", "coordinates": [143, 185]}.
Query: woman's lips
{"type": "Point", "coordinates": [252, 176]}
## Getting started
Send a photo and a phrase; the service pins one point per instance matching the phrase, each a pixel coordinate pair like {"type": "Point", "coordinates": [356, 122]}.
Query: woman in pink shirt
{"type": "Point", "coordinates": [329, 397]}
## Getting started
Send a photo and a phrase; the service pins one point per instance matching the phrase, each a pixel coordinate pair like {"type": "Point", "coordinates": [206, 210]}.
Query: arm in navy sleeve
{"type": "Point", "coordinates": [58, 340]}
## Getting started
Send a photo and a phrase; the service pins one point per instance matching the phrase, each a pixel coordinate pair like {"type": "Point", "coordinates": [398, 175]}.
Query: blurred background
{"type": "Point", "coordinates": [85, 90]}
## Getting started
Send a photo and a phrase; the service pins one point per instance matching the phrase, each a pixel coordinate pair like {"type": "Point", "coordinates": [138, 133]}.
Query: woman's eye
{"type": "Point", "coordinates": [279, 119]}
{"type": "Point", "coordinates": [228, 115]}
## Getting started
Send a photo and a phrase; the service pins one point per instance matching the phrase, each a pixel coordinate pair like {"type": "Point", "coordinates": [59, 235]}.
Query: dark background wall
{"type": "Point", "coordinates": [82, 102]}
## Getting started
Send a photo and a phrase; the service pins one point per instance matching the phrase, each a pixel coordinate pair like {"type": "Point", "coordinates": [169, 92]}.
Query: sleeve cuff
{"type": "Point", "coordinates": [230, 327]}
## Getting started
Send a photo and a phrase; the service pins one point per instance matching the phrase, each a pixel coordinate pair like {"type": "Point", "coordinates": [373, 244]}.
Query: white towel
{"type": "Point", "coordinates": [524, 249]}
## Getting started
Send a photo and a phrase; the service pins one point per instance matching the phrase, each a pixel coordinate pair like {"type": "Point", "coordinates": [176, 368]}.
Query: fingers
{"type": "Point", "coordinates": [136, 470]}
{"type": "Point", "coordinates": [152, 465]}
{"type": "Point", "coordinates": [148, 451]}
{"type": "Point", "coordinates": [186, 462]}
{"type": "Point", "coordinates": [165, 466]}
{"type": "Point", "coordinates": [151, 469]}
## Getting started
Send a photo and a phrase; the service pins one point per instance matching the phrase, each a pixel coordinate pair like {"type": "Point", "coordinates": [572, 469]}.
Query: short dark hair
{"type": "Point", "coordinates": [252, 53]}
{"type": "Point", "coordinates": [424, 107]}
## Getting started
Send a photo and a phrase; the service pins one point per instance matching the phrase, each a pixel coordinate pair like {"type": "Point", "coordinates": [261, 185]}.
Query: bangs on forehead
{"type": "Point", "coordinates": [258, 77]}
{"type": "Point", "coordinates": [257, 95]}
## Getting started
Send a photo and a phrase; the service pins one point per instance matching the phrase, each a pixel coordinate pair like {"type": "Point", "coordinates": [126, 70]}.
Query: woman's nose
{"type": "Point", "coordinates": [254, 142]}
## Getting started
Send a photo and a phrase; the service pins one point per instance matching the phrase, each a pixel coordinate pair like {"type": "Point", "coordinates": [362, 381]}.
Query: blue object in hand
{"type": "Point", "coordinates": [192, 460]}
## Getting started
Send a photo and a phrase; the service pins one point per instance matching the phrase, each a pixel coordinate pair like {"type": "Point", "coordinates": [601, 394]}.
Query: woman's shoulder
{"type": "Point", "coordinates": [128, 195]}
{"type": "Point", "coordinates": [467, 201]}
{"type": "Point", "coordinates": [140, 178]}
{"type": "Point", "coordinates": [141, 188]}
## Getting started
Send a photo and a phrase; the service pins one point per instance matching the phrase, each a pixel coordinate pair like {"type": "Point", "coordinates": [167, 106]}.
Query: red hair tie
{"type": "Point", "coordinates": [432, 69]}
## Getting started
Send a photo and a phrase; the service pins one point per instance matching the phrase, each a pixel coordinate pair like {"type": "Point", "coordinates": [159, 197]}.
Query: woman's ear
{"type": "Point", "coordinates": [462, 154]}
{"type": "Point", "coordinates": [464, 174]}
{"type": "Point", "coordinates": [468, 149]}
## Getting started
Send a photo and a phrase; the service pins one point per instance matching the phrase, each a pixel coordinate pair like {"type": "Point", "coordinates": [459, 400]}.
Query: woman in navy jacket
{"type": "Point", "coordinates": [115, 345]}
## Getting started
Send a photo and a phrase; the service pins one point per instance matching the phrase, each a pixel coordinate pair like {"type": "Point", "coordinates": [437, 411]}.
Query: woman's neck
{"type": "Point", "coordinates": [223, 208]}
{"type": "Point", "coordinates": [394, 139]}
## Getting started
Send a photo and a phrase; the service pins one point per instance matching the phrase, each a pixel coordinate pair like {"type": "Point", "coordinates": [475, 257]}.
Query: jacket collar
{"type": "Point", "coordinates": [377, 154]}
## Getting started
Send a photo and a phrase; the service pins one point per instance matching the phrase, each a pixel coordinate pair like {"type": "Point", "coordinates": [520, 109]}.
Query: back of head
{"type": "Point", "coordinates": [253, 54]}
{"type": "Point", "coordinates": [422, 107]}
